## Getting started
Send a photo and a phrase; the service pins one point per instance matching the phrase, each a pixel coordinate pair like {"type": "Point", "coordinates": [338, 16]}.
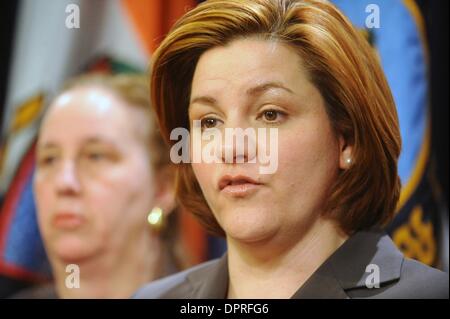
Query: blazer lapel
{"type": "Point", "coordinates": [365, 253]}
{"type": "Point", "coordinates": [210, 283]}
{"type": "Point", "coordinates": [321, 285]}
{"type": "Point", "coordinates": [347, 268]}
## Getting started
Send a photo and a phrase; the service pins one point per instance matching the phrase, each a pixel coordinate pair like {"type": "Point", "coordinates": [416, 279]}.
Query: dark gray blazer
{"type": "Point", "coordinates": [342, 275]}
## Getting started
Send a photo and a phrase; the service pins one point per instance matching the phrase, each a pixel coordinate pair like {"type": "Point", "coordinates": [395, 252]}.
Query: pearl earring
{"type": "Point", "coordinates": [348, 161]}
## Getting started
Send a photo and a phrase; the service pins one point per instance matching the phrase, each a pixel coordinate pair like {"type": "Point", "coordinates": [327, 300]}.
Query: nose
{"type": "Point", "coordinates": [239, 144]}
{"type": "Point", "coordinates": [67, 181]}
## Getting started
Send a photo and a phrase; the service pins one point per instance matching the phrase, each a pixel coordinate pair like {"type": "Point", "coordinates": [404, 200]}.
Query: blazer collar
{"type": "Point", "coordinates": [364, 249]}
{"type": "Point", "coordinates": [210, 282]}
{"type": "Point", "coordinates": [345, 269]}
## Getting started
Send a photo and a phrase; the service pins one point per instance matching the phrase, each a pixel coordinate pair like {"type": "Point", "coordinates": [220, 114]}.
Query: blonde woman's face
{"type": "Point", "coordinates": [253, 83]}
{"type": "Point", "coordinates": [93, 182]}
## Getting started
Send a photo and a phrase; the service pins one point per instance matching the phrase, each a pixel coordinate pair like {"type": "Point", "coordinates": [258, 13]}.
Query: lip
{"type": "Point", "coordinates": [68, 220]}
{"type": "Point", "coordinates": [238, 186]}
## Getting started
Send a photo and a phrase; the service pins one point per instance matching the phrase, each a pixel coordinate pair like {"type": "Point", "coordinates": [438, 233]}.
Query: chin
{"type": "Point", "coordinates": [249, 225]}
{"type": "Point", "coordinates": [72, 249]}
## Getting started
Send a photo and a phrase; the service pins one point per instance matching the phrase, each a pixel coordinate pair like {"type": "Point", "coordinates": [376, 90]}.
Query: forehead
{"type": "Point", "coordinates": [248, 61]}
{"type": "Point", "coordinates": [86, 111]}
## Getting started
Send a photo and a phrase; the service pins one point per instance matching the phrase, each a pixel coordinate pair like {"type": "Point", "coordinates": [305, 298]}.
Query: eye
{"type": "Point", "coordinates": [95, 156]}
{"type": "Point", "coordinates": [46, 161]}
{"type": "Point", "coordinates": [272, 116]}
{"type": "Point", "coordinates": [100, 153]}
{"type": "Point", "coordinates": [209, 122]}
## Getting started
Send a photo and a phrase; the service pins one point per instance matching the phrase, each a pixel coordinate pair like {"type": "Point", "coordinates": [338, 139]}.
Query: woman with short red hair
{"type": "Point", "coordinates": [310, 229]}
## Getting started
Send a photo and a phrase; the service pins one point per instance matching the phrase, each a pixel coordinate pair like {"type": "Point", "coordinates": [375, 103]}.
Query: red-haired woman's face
{"type": "Point", "coordinates": [94, 184]}
{"type": "Point", "coordinates": [254, 83]}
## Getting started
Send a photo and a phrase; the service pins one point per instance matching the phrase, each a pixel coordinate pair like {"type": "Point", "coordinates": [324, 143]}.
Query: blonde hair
{"type": "Point", "coordinates": [341, 65]}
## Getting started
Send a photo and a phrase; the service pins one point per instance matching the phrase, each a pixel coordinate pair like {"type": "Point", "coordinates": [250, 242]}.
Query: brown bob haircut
{"type": "Point", "coordinates": [342, 66]}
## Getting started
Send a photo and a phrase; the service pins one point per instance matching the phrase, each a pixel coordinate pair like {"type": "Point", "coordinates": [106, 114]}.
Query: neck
{"type": "Point", "coordinates": [112, 274]}
{"type": "Point", "coordinates": [276, 268]}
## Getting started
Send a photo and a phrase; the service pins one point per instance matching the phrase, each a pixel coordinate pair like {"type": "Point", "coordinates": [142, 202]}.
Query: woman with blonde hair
{"type": "Point", "coordinates": [311, 228]}
{"type": "Point", "coordinates": [104, 191]}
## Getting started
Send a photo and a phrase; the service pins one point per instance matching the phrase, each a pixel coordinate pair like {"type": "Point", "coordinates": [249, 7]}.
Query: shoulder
{"type": "Point", "coordinates": [422, 281]}
{"type": "Point", "coordinates": [396, 275]}
{"type": "Point", "coordinates": [176, 286]}
{"type": "Point", "coordinates": [44, 291]}
{"type": "Point", "coordinates": [416, 281]}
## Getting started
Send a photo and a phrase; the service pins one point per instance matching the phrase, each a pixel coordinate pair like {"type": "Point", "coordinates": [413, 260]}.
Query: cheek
{"type": "Point", "coordinates": [205, 175]}
{"type": "Point", "coordinates": [44, 197]}
{"type": "Point", "coordinates": [308, 159]}
{"type": "Point", "coordinates": [120, 196]}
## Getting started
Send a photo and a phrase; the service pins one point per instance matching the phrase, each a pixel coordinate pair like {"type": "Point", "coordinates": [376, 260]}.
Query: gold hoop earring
{"type": "Point", "coordinates": [156, 219]}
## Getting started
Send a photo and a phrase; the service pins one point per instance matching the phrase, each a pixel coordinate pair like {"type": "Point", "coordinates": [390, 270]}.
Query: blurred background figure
{"type": "Point", "coordinates": [114, 37]}
{"type": "Point", "coordinates": [43, 46]}
{"type": "Point", "coordinates": [104, 190]}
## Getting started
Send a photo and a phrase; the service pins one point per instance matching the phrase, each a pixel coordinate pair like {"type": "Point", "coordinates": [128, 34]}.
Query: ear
{"type": "Point", "coordinates": [165, 190]}
{"type": "Point", "coordinates": [346, 159]}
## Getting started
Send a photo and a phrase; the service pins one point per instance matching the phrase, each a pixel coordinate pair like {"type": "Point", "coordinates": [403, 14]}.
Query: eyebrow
{"type": "Point", "coordinates": [47, 145]}
{"type": "Point", "coordinates": [263, 87]}
{"type": "Point", "coordinates": [91, 140]}
{"type": "Point", "coordinates": [208, 100]}
{"type": "Point", "coordinates": [99, 140]}
{"type": "Point", "coordinates": [253, 91]}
